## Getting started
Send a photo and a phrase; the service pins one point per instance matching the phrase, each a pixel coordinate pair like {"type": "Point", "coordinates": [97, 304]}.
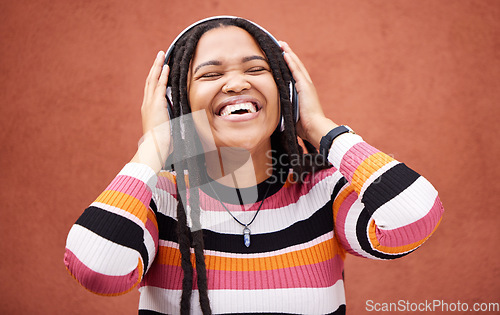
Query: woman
{"type": "Point", "coordinates": [244, 220]}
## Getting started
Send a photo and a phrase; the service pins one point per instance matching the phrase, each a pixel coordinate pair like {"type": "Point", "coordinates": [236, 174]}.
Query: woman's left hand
{"type": "Point", "coordinates": [313, 124]}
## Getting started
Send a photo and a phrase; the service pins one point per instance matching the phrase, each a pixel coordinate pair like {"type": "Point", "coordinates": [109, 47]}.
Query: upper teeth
{"type": "Point", "coordinates": [250, 107]}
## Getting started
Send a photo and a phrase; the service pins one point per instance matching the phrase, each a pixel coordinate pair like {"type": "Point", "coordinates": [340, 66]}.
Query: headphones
{"type": "Point", "coordinates": [293, 91]}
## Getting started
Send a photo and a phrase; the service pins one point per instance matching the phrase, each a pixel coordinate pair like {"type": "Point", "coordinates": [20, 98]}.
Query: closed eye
{"type": "Point", "coordinates": [210, 75]}
{"type": "Point", "coordinates": [256, 70]}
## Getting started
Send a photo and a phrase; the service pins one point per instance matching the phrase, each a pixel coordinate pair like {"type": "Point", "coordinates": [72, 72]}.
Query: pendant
{"type": "Point", "coordinates": [246, 236]}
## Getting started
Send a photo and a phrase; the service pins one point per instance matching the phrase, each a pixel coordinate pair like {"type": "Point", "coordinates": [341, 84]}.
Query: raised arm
{"type": "Point", "coordinates": [113, 243]}
{"type": "Point", "coordinates": [385, 209]}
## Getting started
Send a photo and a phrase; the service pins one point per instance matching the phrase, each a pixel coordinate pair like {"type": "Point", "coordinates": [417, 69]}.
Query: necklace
{"type": "Point", "coordinates": [246, 229]}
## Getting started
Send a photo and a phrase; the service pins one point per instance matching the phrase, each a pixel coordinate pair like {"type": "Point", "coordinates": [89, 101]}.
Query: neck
{"type": "Point", "coordinates": [239, 168]}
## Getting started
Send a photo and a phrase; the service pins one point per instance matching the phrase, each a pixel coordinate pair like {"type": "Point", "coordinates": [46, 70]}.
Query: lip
{"type": "Point", "coordinates": [238, 100]}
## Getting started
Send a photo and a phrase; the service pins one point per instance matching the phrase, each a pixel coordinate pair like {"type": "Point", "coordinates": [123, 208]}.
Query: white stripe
{"type": "Point", "coordinates": [150, 246]}
{"type": "Point", "coordinates": [166, 203]}
{"type": "Point", "coordinates": [120, 212]}
{"type": "Point", "coordinates": [140, 171]}
{"type": "Point", "coordinates": [350, 229]}
{"type": "Point", "coordinates": [275, 219]}
{"type": "Point", "coordinates": [409, 206]}
{"type": "Point", "coordinates": [296, 300]}
{"type": "Point", "coordinates": [340, 146]}
{"type": "Point", "coordinates": [100, 254]}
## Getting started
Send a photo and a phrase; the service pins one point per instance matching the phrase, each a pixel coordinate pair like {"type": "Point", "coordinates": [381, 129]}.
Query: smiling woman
{"type": "Point", "coordinates": [260, 242]}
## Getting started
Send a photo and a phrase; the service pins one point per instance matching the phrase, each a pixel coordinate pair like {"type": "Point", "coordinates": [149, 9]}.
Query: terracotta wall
{"type": "Point", "coordinates": [417, 79]}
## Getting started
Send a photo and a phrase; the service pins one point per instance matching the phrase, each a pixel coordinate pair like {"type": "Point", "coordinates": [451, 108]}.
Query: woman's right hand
{"type": "Point", "coordinates": [154, 105]}
{"type": "Point", "coordinates": [154, 145]}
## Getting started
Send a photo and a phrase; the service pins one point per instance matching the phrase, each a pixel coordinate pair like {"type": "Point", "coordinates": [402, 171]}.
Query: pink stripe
{"type": "Point", "coordinates": [131, 186]}
{"type": "Point", "coordinates": [164, 276]}
{"type": "Point", "coordinates": [166, 185]}
{"type": "Point", "coordinates": [320, 275]}
{"type": "Point", "coordinates": [354, 157]}
{"type": "Point", "coordinates": [341, 219]}
{"type": "Point", "coordinates": [282, 198]}
{"type": "Point", "coordinates": [98, 282]}
{"type": "Point", "coordinates": [413, 232]}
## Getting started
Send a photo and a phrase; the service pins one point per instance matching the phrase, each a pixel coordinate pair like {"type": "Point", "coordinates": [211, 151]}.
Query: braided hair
{"type": "Point", "coordinates": [186, 144]}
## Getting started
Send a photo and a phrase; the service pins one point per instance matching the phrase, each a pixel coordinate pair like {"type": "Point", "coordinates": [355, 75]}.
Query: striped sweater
{"type": "Point", "coordinates": [367, 204]}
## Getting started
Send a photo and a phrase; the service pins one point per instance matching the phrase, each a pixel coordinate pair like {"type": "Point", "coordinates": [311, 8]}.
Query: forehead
{"type": "Point", "coordinates": [226, 44]}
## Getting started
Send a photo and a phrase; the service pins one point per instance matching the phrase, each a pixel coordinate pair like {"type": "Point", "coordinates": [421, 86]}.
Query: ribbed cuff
{"type": "Point", "coordinates": [340, 146]}
{"type": "Point", "coordinates": [142, 172]}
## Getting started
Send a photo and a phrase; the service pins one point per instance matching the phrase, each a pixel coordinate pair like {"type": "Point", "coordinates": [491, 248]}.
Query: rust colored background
{"type": "Point", "coordinates": [417, 79]}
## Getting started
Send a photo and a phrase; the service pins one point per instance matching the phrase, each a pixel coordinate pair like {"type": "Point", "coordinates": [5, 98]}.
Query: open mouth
{"type": "Point", "coordinates": [238, 109]}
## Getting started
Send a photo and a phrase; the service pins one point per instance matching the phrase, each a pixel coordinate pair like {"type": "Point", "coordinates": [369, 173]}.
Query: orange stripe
{"type": "Point", "coordinates": [124, 202]}
{"type": "Point", "coordinates": [340, 199]}
{"type": "Point", "coordinates": [315, 254]}
{"type": "Point", "coordinates": [366, 169]}
{"type": "Point", "coordinates": [394, 250]}
{"type": "Point", "coordinates": [171, 177]}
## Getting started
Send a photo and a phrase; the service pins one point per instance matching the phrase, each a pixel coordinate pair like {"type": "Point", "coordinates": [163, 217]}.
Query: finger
{"type": "Point", "coordinates": [297, 73]}
{"type": "Point", "coordinates": [161, 86]}
{"type": "Point", "coordinates": [154, 73]}
{"type": "Point", "coordinates": [286, 48]}
{"type": "Point", "coordinates": [162, 81]}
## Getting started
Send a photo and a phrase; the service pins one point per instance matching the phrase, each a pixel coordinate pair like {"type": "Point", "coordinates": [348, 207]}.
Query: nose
{"type": "Point", "coordinates": [236, 83]}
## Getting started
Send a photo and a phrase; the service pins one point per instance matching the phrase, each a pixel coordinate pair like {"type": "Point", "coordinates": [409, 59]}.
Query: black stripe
{"type": "Point", "coordinates": [390, 184]}
{"type": "Point", "coordinates": [116, 229]}
{"type": "Point", "coordinates": [320, 223]}
{"type": "Point", "coordinates": [341, 183]}
{"type": "Point", "coordinates": [167, 228]}
{"type": "Point", "coordinates": [340, 311]}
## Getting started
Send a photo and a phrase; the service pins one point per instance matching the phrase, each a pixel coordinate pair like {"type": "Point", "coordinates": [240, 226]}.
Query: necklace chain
{"type": "Point", "coordinates": [246, 230]}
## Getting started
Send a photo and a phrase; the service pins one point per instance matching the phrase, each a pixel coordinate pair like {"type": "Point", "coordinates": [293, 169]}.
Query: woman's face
{"type": "Point", "coordinates": [230, 79]}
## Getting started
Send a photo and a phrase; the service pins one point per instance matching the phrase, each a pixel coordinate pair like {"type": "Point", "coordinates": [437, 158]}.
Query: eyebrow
{"type": "Point", "coordinates": [219, 63]}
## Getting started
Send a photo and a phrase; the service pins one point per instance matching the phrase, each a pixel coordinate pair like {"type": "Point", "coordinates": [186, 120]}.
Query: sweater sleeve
{"type": "Point", "coordinates": [385, 210]}
{"type": "Point", "coordinates": [112, 244]}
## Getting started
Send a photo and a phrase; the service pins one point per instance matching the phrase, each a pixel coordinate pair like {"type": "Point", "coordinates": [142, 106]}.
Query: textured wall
{"type": "Point", "coordinates": [417, 79]}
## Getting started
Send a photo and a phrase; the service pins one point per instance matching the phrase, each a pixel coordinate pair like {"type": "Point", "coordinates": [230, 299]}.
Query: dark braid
{"type": "Point", "coordinates": [187, 146]}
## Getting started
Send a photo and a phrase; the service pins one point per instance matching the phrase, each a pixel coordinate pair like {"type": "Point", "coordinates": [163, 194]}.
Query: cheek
{"type": "Point", "coordinates": [203, 126]}
{"type": "Point", "coordinates": [201, 95]}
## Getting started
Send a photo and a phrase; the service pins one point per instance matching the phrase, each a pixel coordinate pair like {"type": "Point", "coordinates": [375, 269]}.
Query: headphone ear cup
{"type": "Point", "coordinates": [294, 99]}
{"type": "Point", "coordinates": [170, 103]}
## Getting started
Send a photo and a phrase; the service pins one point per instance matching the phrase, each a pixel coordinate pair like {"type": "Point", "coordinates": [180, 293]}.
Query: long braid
{"type": "Point", "coordinates": [195, 182]}
{"type": "Point", "coordinates": [180, 68]}
{"type": "Point", "coordinates": [183, 233]}
{"type": "Point", "coordinates": [185, 146]}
